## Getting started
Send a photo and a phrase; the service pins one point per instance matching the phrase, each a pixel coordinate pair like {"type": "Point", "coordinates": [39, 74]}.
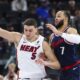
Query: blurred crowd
{"type": "Point", "coordinates": [14, 12]}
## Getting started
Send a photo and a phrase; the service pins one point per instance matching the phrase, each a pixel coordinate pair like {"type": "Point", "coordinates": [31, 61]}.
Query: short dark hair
{"type": "Point", "coordinates": [67, 14]}
{"type": "Point", "coordinates": [30, 22]}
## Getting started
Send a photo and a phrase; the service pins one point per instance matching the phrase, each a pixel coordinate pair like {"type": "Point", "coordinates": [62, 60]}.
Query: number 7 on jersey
{"type": "Point", "coordinates": [62, 50]}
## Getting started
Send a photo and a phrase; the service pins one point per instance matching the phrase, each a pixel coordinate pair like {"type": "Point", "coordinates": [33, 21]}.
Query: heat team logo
{"type": "Point", "coordinates": [30, 49]}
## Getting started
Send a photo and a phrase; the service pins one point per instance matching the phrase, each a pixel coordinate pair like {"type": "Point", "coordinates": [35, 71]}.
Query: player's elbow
{"type": "Point", "coordinates": [58, 65]}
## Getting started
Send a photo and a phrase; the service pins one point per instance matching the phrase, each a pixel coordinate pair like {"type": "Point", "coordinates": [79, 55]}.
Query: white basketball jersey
{"type": "Point", "coordinates": [27, 53]}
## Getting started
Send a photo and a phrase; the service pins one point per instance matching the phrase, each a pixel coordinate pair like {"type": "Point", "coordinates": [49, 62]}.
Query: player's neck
{"type": "Point", "coordinates": [63, 27]}
{"type": "Point", "coordinates": [33, 38]}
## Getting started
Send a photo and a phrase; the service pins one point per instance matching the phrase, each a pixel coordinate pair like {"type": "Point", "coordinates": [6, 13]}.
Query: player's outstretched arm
{"type": "Point", "coordinates": [53, 62]}
{"type": "Point", "coordinates": [10, 36]}
{"type": "Point", "coordinates": [71, 35]}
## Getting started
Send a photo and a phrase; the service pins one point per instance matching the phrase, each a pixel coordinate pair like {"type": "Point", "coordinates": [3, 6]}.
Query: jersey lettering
{"type": "Point", "coordinates": [33, 56]}
{"type": "Point", "coordinates": [30, 49]}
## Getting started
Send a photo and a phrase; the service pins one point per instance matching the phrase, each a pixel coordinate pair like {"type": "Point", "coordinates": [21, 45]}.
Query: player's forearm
{"type": "Point", "coordinates": [5, 34]}
{"type": "Point", "coordinates": [53, 65]}
{"type": "Point", "coordinates": [73, 38]}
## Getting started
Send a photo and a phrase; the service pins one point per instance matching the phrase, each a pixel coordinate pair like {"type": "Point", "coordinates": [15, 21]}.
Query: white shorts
{"type": "Point", "coordinates": [33, 79]}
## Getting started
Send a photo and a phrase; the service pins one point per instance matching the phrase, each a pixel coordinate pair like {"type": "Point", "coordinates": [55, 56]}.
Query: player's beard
{"type": "Point", "coordinates": [60, 24]}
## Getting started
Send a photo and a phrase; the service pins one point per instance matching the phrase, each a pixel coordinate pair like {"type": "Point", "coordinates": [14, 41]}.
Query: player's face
{"type": "Point", "coordinates": [59, 19]}
{"type": "Point", "coordinates": [30, 31]}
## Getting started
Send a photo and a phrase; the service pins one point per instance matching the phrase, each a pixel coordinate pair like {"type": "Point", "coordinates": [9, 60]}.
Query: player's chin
{"type": "Point", "coordinates": [28, 37]}
{"type": "Point", "coordinates": [56, 23]}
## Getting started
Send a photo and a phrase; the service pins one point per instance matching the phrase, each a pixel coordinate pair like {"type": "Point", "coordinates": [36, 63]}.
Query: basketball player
{"type": "Point", "coordinates": [30, 46]}
{"type": "Point", "coordinates": [65, 47]}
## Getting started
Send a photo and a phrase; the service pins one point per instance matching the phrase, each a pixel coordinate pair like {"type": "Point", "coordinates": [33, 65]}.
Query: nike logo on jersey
{"type": "Point", "coordinates": [75, 68]}
{"type": "Point", "coordinates": [24, 41]}
{"type": "Point", "coordinates": [37, 42]}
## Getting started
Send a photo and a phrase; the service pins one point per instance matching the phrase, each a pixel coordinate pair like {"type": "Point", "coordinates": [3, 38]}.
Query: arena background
{"type": "Point", "coordinates": [14, 12]}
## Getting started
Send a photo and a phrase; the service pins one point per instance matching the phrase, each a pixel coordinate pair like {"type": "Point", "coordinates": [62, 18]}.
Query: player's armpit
{"type": "Point", "coordinates": [17, 36]}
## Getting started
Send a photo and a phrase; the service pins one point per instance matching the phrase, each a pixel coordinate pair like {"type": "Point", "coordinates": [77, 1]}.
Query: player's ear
{"type": "Point", "coordinates": [37, 31]}
{"type": "Point", "coordinates": [66, 19]}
